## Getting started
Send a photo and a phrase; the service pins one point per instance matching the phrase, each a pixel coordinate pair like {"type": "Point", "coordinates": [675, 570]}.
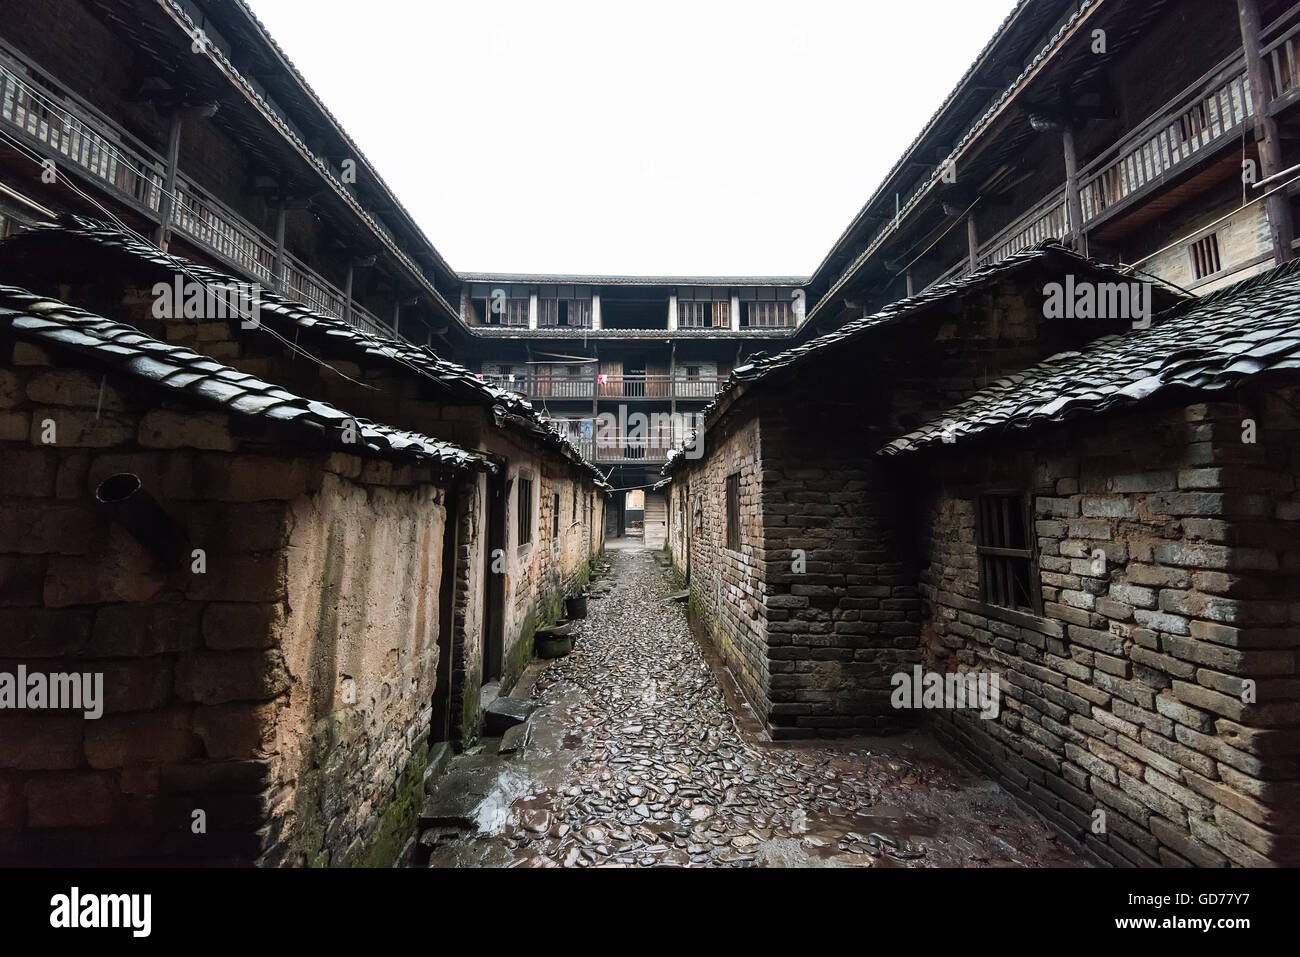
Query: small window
{"type": "Point", "coordinates": [1005, 548]}
{"type": "Point", "coordinates": [524, 510]}
{"type": "Point", "coordinates": [733, 512]}
{"type": "Point", "coordinates": [1205, 256]}
{"type": "Point", "coordinates": [692, 372]}
{"type": "Point", "coordinates": [555, 516]}
{"type": "Point", "coordinates": [767, 315]}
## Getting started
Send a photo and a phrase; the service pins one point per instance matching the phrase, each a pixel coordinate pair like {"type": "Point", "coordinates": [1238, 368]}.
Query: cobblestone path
{"type": "Point", "coordinates": [636, 758]}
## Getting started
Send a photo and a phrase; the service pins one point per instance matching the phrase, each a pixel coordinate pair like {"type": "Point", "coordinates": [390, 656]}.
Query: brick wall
{"type": "Point", "coordinates": [1125, 695]}
{"type": "Point", "coordinates": [222, 689]}
{"type": "Point", "coordinates": [536, 578]}
{"type": "Point", "coordinates": [727, 592]}
{"type": "Point", "coordinates": [848, 617]}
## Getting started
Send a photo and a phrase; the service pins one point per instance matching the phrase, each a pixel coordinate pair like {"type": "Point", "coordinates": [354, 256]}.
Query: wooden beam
{"type": "Point", "coordinates": [1280, 226]}
{"type": "Point", "coordinates": [166, 208]}
{"type": "Point", "coordinates": [972, 241]}
{"type": "Point", "coordinates": [1073, 201]}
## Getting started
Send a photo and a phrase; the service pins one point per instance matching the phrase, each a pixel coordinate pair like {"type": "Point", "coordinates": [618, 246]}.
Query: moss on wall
{"type": "Point", "coordinates": [521, 652]}
{"type": "Point", "coordinates": [399, 819]}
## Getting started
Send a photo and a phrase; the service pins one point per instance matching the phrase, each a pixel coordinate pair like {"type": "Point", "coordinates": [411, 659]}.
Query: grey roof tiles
{"type": "Point", "coordinates": [285, 315]}
{"type": "Point", "coordinates": [196, 378]}
{"type": "Point", "coordinates": [1202, 345]}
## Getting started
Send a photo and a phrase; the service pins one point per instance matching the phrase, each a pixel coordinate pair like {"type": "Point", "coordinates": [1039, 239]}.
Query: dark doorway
{"type": "Point", "coordinates": [494, 577]}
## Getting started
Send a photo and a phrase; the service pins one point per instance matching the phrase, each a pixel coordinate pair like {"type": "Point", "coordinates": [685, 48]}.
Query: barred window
{"type": "Point", "coordinates": [524, 510]}
{"type": "Point", "coordinates": [1205, 256]}
{"type": "Point", "coordinates": [733, 512]}
{"type": "Point", "coordinates": [1005, 545]}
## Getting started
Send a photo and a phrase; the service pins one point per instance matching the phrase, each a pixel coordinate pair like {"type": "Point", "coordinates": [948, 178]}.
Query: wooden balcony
{"type": "Point", "coordinates": [58, 125]}
{"type": "Point", "coordinates": [631, 450]}
{"type": "Point", "coordinates": [1208, 116]}
{"type": "Point", "coordinates": [610, 386]}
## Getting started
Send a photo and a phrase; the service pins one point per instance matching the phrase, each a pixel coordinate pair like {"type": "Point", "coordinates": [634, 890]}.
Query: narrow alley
{"type": "Point", "coordinates": [641, 753]}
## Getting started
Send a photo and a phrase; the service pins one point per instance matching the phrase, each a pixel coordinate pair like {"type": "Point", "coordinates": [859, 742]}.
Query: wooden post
{"type": "Point", "coordinates": [972, 242]}
{"type": "Point", "coordinates": [347, 293]}
{"type": "Point", "coordinates": [1267, 139]}
{"type": "Point", "coordinates": [166, 207]}
{"type": "Point", "coordinates": [672, 383]}
{"type": "Point", "coordinates": [910, 291]}
{"type": "Point", "coordinates": [397, 317]}
{"type": "Point", "coordinates": [278, 270]}
{"type": "Point", "coordinates": [1073, 202]}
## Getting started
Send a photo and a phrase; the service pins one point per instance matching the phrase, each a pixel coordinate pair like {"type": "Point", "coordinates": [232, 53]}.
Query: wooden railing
{"type": "Point", "coordinates": [66, 129]}
{"type": "Point", "coordinates": [609, 386]}
{"type": "Point", "coordinates": [617, 449]}
{"type": "Point", "coordinates": [1206, 116]}
{"type": "Point", "coordinates": [116, 162]}
{"type": "Point", "coordinates": [634, 386]}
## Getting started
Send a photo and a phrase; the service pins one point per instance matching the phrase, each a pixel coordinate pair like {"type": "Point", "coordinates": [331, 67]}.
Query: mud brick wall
{"type": "Point", "coordinates": [841, 626]}
{"type": "Point", "coordinates": [223, 689]}
{"type": "Point", "coordinates": [359, 638]}
{"type": "Point", "coordinates": [535, 578]}
{"type": "Point", "coordinates": [726, 586]}
{"type": "Point", "coordinates": [1125, 695]}
{"type": "Point", "coordinates": [541, 572]}
{"type": "Point", "coordinates": [467, 611]}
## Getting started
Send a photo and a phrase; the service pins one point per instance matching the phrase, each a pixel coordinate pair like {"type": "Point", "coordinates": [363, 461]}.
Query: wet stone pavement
{"type": "Point", "coordinates": [636, 758]}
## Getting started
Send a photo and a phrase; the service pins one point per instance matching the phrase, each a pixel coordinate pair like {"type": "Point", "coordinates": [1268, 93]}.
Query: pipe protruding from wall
{"type": "Point", "coordinates": [131, 506]}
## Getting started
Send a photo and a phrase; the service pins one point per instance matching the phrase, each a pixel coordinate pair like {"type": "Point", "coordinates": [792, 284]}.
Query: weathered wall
{"type": "Point", "coordinates": [847, 617]}
{"type": "Point", "coordinates": [540, 571]}
{"type": "Point", "coordinates": [1125, 696]}
{"type": "Point", "coordinates": [536, 577]}
{"type": "Point", "coordinates": [468, 611]}
{"type": "Point", "coordinates": [220, 687]}
{"type": "Point", "coordinates": [727, 591]}
{"type": "Point", "coordinates": [360, 642]}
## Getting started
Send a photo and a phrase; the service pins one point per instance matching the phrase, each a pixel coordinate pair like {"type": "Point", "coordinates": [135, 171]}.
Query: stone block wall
{"type": "Point", "coordinates": [535, 577]}
{"type": "Point", "coordinates": [1126, 696]}
{"type": "Point", "coordinates": [222, 688]}
{"type": "Point", "coordinates": [726, 586]}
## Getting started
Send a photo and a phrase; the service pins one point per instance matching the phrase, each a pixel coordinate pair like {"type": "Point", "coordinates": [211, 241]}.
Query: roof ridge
{"type": "Point", "coordinates": [49, 320]}
{"type": "Point", "coordinates": [421, 359]}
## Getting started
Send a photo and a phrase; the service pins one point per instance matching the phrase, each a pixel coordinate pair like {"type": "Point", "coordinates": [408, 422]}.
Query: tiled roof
{"type": "Point", "coordinates": [179, 11]}
{"type": "Point", "coordinates": [197, 378]}
{"type": "Point", "coordinates": [286, 316]}
{"type": "Point", "coordinates": [899, 213]}
{"type": "Point", "coordinates": [1203, 345]}
{"type": "Point", "coordinates": [1050, 255]}
{"type": "Point", "coordinates": [902, 161]}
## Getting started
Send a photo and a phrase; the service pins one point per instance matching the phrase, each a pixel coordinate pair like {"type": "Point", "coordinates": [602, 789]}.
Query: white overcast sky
{"type": "Point", "coordinates": [609, 137]}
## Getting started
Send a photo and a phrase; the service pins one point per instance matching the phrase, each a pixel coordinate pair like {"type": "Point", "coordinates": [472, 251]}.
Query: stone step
{"type": "Point", "coordinates": [504, 712]}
